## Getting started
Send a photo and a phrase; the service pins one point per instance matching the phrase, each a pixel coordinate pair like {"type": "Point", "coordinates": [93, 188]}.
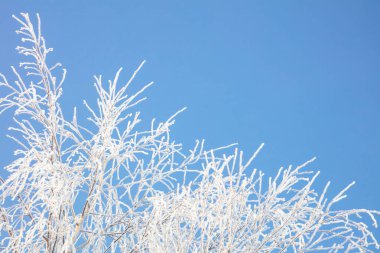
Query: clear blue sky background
{"type": "Point", "coordinates": [301, 76]}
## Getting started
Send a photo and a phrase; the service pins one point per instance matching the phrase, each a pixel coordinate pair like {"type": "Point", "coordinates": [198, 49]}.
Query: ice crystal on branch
{"type": "Point", "coordinates": [117, 189]}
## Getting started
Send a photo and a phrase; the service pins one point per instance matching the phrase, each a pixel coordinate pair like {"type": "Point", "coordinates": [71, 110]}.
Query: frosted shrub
{"type": "Point", "coordinates": [109, 187]}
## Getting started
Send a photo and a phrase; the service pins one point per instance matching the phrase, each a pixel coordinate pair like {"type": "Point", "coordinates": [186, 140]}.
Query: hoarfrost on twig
{"type": "Point", "coordinates": [116, 189]}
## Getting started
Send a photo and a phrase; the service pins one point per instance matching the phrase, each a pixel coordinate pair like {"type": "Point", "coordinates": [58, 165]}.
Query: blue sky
{"type": "Point", "coordinates": [301, 76]}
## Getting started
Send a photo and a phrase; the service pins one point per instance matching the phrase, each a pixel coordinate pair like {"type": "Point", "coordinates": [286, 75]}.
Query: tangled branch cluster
{"type": "Point", "coordinates": [109, 187]}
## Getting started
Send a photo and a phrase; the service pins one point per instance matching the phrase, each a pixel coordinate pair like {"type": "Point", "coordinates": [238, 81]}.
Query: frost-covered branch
{"type": "Point", "coordinates": [106, 186]}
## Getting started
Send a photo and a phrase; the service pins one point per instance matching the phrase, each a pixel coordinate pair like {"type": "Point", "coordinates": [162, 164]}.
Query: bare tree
{"type": "Point", "coordinates": [109, 187]}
